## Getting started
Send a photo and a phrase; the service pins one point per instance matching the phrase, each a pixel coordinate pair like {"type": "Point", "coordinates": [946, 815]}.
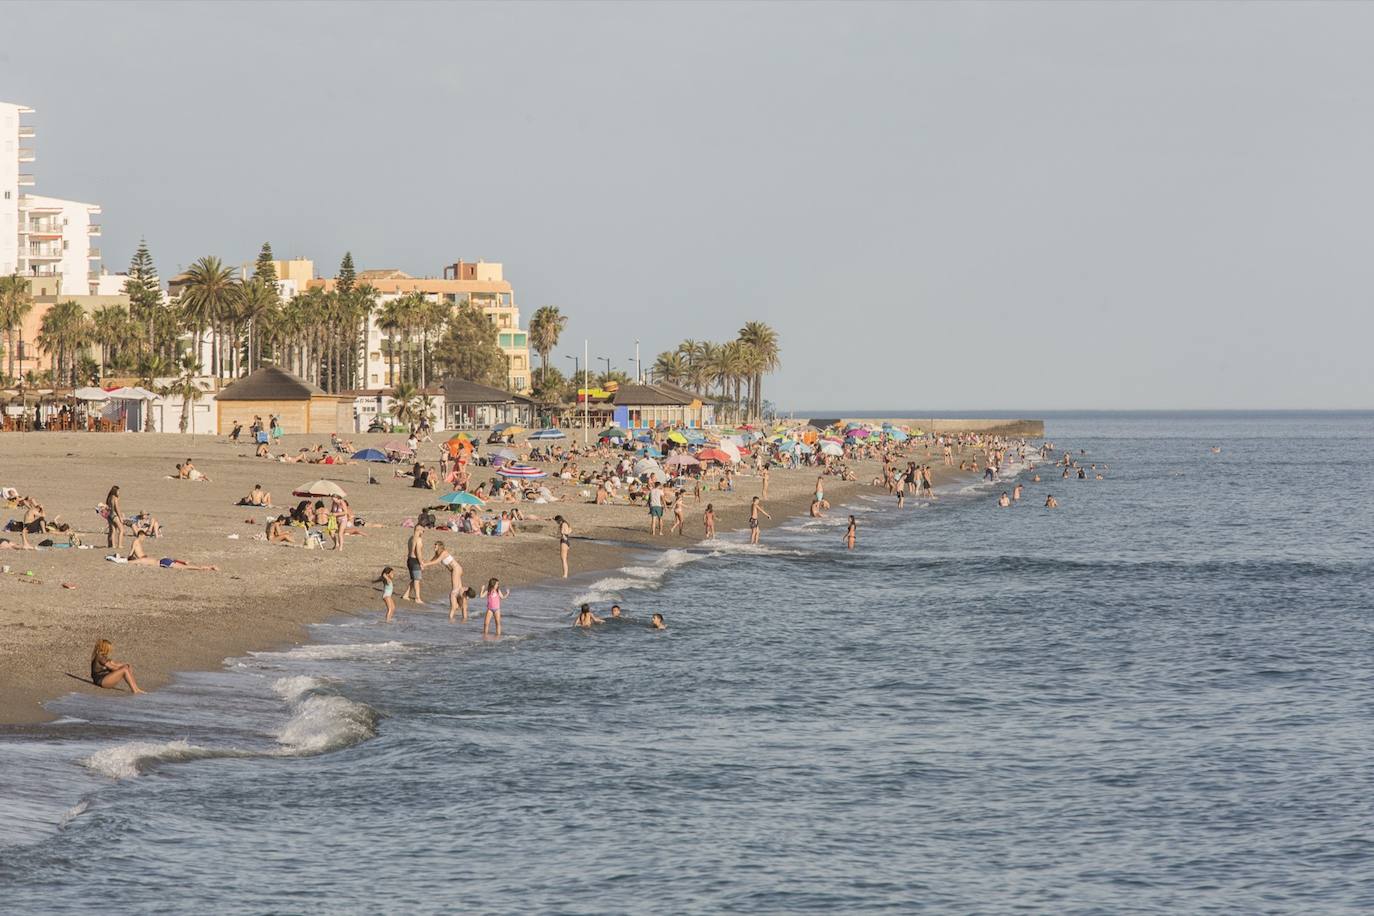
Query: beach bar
{"type": "Point", "coordinates": [272, 391]}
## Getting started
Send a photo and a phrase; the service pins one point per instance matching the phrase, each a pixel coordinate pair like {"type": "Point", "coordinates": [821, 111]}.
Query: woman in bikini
{"type": "Point", "coordinates": [457, 601]}
{"type": "Point", "coordinates": [105, 672]}
{"type": "Point", "coordinates": [564, 531]}
{"type": "Point", "coordinates": [851, 533]}
{"type": "Point", "coordinates": [138, 558]}
{"type": "Point", "coordinates": [708, 519]}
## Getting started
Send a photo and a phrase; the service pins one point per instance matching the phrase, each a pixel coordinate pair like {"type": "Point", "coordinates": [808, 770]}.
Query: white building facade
{"type": "Point", "coordinates": [16, 151]}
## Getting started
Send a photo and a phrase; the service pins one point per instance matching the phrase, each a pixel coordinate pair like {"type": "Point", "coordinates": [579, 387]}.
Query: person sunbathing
{"type": "Point", "coordinates": [258, 497]}
{"type": "Point", "coordinates": [138, 557]}
{"type": "Point", "coordinates": [189, 471]}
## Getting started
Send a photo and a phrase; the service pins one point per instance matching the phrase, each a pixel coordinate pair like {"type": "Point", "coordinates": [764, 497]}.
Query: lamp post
{"type": "Point", "coordinates": [639, 368]}
{"type": "Point", "coordinates": [607, 361]}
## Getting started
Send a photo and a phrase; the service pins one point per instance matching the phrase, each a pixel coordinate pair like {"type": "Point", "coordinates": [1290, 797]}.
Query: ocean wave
{"type": "Point", "coordinates": [638, 577]}
{"type": "Point", "coordinates": [332, 651]}
{"type": "Point", "coordinates": [319, 722]}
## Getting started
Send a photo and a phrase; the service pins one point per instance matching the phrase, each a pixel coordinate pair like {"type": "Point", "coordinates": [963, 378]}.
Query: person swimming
{"type": "Point", "coordinates": [657, 623]}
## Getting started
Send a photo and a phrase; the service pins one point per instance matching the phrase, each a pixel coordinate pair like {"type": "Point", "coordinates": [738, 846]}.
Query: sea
{"type": "Point", "coordinates": [1156, 698]}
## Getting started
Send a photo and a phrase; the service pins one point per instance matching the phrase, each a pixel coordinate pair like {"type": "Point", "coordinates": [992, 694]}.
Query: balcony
{"type": "Point", "coordinates": [37, 229]}
{"type": "Point", "coordinates": [36, 254]}
{"type": "Point", "coordinates": [93, 254]}
{"type": "Point", "coordinates": [93, 229]}
{"type": "Point", "coordinates": [26, 133]}
{"type": "Point", "coordinates": [25, 181]}
{"type": "Point", "coordinates": [26, 154]}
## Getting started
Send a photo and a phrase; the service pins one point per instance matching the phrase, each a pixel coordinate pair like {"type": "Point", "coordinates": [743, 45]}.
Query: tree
{"type": "Point", "coordinates": [670, 367]}
{"type": "Point", "coordinates": [469, 350]}
{"type": "Point", "coordinates": [348, 277]}
{"type": "Point", "coordinates": [763, 357]}
{"type": "Point", "coordinates": [65, 329]}
{"type": "Point", "coordinates": [211, 292]}
{"type": "Point", "coordinates": [545, 328]}
{"type": "Point", "coordinates": [186, 386]}
{"type": "Point", "coordinates": [115, 333]}
{"type": "Point", "coordinates": [15, 304]}
{"type": "Point", "coordinates": [145, 292]}
{"type": "Point", "coordinates": [264, 269]}
{"type": "Point", "coordinates": [257, 300]}
{"type": "Point", "coordinates": [552, 387]}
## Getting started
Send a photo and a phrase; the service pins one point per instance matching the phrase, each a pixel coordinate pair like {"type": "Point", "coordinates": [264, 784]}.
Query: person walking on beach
{"type": "Point", "coordinates": [388, 584]}
{"type": "Point", "coordinates": [105, 672]}
{"type": "Point", "coordinates": [755, 509]}
{"type": "Point", "coordinates": [564, 530]}
{"type": "Point", "coordinates": [656, 508]}
{"type": "Point", "coordinates": [851, 533]}
{"type": "Point", "coordinates": [708, 519]}
{"type": "Point", "coordinates": [115, 519]}
{"type": "Point", "coordinates": [494, 594]}
{"type": "Point", "coordinates": [763, 475]}
{"type": "Point", "coordinates": [415, 548]}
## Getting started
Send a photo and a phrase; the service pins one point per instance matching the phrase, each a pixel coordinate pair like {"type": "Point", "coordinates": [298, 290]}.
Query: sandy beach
{"type": "Point", "coordinates": [163, 621]}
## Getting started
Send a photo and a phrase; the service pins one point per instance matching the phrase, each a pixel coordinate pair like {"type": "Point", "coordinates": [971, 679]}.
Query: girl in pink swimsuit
{"type": "Point", "coordinates": [494, 595]}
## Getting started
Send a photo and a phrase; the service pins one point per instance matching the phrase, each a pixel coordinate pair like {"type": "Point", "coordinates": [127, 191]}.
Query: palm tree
{"type": "Point", "coordinates": [390, 320]}
{"type": "Point", "coordinates": [112, 331]}
{"type": "Point", "coordinates": [670, 367]}
{"type": "Point", "coordinates": [186, 386]}
{"type": "Point", "coordinates": [15, 304]}
{"type": "Point", "coordinates": [211, 290]}
{"type": "Point", "coordinates": [65, 329]}
{"type": "Point", "coordinates": [762, 340]}
{"type": "Point", "coordinates": [545, 328]}
{"type": "Point", "coordinates": [258, 300]}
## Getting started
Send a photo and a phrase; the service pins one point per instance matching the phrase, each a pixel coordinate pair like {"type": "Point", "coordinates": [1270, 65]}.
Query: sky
{"type": "Point", "coordinates": [984, 206]}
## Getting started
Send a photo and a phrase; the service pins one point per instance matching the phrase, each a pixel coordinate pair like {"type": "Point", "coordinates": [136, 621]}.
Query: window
{"type": "Point", "coordinates": [519, 381]}
{"type": "Point", "coordinates": [504, 340]}
{"type": "Point", "coordinates": [520, 340]}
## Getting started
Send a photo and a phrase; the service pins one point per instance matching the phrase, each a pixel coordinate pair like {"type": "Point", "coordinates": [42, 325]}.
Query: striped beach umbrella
{"type": "Point", "coordinates": [551, 433]}
{"type": "Point", "coordinates": [521, 471]}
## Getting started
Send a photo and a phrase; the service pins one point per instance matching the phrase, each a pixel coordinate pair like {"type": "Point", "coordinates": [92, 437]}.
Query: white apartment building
{"type": "Point", "coordinates": [56, 238]}
{"type": "Point", "coordinates": [41, 236]}
{"type": "Point", "coordinates": [16, 151]}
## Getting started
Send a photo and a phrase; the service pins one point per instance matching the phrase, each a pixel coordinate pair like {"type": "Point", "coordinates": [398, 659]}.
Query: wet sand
{"type": "Point", "coordinates": [168, 620]}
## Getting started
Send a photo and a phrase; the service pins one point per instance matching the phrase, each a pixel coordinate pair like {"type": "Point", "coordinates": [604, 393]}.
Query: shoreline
{"type": "Point", "coordinates": [181, 621]}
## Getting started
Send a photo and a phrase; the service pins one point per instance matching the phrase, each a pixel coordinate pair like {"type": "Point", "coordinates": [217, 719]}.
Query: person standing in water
{"type": "Point", "coordinates": [851, 533]}
{"type": "Point", "coordinates": [456, 600]}
{"type": "Point", "coordinates": [415, 563]}
{"type": "Point", "coordinates": [564, 531]}
{"type": "Point", "coordinates": [656, 508]}
{"type": "Point", "coordinates": [388, 585]}
{"type": "Point", "coordinates": [678, 501]}
{"type": "Point", "coordinates": [708, 519]}
{"type": "Point", "coordinates": [763, 474]}
{"type": "Point", "coordinates": [755, 510]}
{"type": "Point", "coordinates": [493, 594]}
{"type": "Point", "coordinates": [1051, 502]}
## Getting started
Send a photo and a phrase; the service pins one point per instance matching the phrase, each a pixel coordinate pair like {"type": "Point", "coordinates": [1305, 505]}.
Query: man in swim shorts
{"type": "Point", "coordinates": [415, 563]}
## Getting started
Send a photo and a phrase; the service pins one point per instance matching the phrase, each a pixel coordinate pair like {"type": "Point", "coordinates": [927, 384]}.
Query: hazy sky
{"type": "Point", "coordinates": [982, 206]}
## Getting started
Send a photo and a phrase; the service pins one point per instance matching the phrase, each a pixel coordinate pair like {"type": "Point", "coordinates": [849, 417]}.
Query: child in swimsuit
{"type": "Point", "coordinates": [388, 586]}
{"type": "Point", "coordinates": [494, 595]}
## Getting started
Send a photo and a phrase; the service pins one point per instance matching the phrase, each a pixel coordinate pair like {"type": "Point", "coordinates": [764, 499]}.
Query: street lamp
{"type": "Point", "coordinates": [607, 361]}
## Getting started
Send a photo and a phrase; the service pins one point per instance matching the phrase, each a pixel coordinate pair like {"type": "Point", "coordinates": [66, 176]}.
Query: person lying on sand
{"type": "Point", "coordinates": [188, 471]}
{"type": "Point", "coordinates": [137, 556]}
{"type": "Point", "coordinates": [105, 672]}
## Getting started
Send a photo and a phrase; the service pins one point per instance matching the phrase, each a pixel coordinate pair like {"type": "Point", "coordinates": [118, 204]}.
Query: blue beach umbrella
{"type": "Point", "coordinates": [460, 498]}
{"type": "Point", "coordinates": [550, 433]}
{"type": "Point", "coordinates": [370, 454]}
{"type": "Point", "coordinates": [649, 451]}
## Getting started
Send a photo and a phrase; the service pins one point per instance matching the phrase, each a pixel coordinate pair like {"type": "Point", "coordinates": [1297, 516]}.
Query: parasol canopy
{"type": "Point", "coordinates": [552, 432]}
{"type": "Point", "coordinates": [319, 488]}
{"type": "Point", "coordinates": [460, 498]}
{"type": "Point", "coordinates": [370, 454]}
{"type": "Point", "coordinates": [521, 471]}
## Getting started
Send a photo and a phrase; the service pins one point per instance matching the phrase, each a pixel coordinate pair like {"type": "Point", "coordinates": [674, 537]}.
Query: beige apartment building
{"type": "Point", "coordinates": [481, 284]}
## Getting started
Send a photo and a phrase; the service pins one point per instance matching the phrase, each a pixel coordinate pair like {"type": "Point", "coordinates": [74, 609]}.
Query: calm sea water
{"type": "Point", "coordinates": [1155, 699]}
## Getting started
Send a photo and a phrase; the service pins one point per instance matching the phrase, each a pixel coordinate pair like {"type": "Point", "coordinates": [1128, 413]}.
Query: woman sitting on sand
{"type": "Point", "coordinates": [258, 497]}
{"type": "Point", "coordinates": [105, 672]}
{"type": "Point", "coordinates": [277, 533]}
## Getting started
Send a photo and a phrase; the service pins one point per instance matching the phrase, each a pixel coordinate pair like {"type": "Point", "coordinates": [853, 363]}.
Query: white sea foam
{"type": "Point", "coordinates": [333, 651]}
{"type": "Point", "coordinates": [319, 722]}
{"type": "Point", "coordinates": [637, 577]}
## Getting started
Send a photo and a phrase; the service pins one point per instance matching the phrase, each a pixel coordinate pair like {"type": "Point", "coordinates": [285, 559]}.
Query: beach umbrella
{"type": "Point", "coordinates": [677, 437]}
{"type": "Point", "coordinates": [460, 498]}
{"type": "Point", "coordinates": [831, 448]}
{"type": "Point", "coordinates": [656, 474]}
{"type": "Point", "coordinates": [788, 445]}
{"type": "Point", "coordinates": [644, 437]}
{"type": "Point", "coordinates": [463, 437]}
{"type": "Point", "coordinates": [714, 454]}
{"type": "Point", "coordinates": [91, 394]}
{"type": "Point", "coordinates": [613, 432]}
{"type": "Point", "coordinates": [731, 449]}
{"type": "Point", "coordinates": [505, 454]}
{"type": "Point", "coordinates": [896, 435]}
{"type": "Point", "coordinates": [504, 427]}
{"type": "Point", "coordinates": [547, 434]}
{"type": "Point", "coordinates": [319, 488]}
{"type": "Point", "coordinates": [395, 445]}
{"type": "Point", "coordinates": [645, 465]}
{"type": "Point", "coordinates": [857, 434]}
{"type": "Point", "coordinates": [650, 452]}
{"type": "Point", "coordinates": [682, 461]}
{"type": "Point", "coordinates": [747, 437]}
{"type": "Point", "coordinates": [521, 471]}
{"type": "Point", "coordinates": [370, 454]}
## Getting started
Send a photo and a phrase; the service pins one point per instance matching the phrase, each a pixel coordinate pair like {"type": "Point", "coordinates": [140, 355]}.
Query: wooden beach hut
{"type": "Point", "coordinates": [300, 406]}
